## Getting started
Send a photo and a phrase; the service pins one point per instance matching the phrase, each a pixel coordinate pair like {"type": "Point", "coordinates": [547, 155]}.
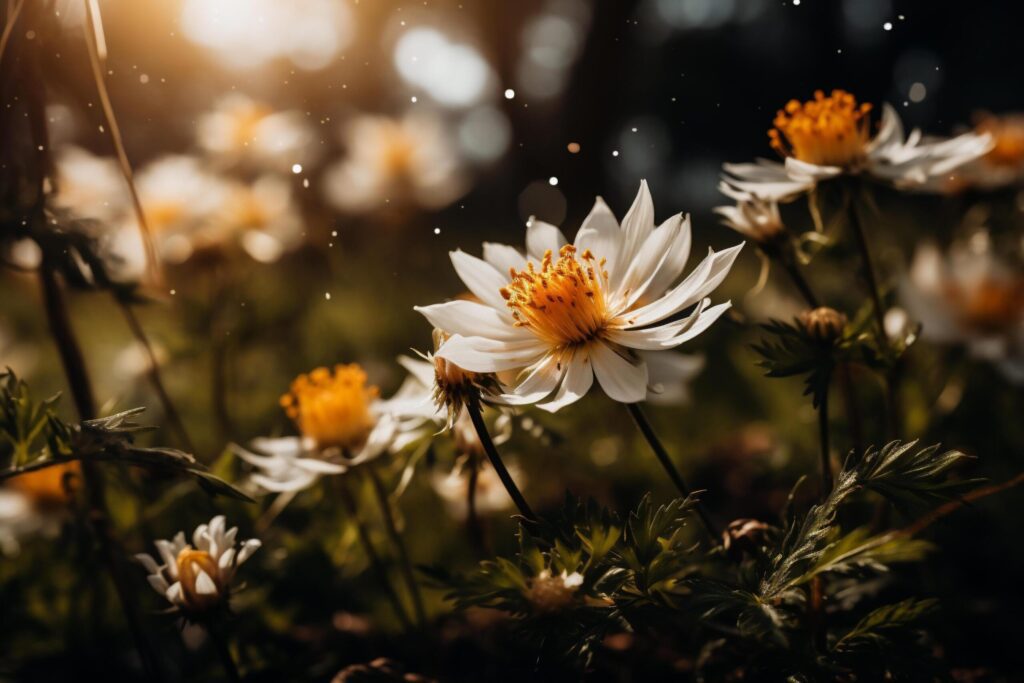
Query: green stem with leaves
{"type": "Point", "coordinates": [396, 538]}
{"type": "Point", "coordinates": [379, 570]}
{"type": "Point", "coordinates": [661, 454]}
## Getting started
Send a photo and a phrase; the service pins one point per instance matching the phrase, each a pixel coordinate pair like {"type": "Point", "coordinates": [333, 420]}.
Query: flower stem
{"type": "Point", "coordinates": [220, 643]}
{"type": "Point", "coordinates": [826, 458]}
{"type": "Point", "coordinates": [81, 392]}
{"type": "Point", "coordinates": [474, 527]}
{"type": "Point", "coordinates": [155, 378]}
{"type": "Point", "coordinates": [661, 454]}
{"type": "Point", "coordinates": [473, 407]}
{"type": "Point", "coordinates": [396, 538]}
{"type": "Point", "coordinates": [371, 553]}
{"type": "Point", "coordinates": [869, 272]}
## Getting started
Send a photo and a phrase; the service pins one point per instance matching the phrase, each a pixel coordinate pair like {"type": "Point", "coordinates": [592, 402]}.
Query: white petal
{"type": "Point", "coordinates": [645, 266]}
{"type": "Point", "coordinates": [148, 563]}
{"type": "Point", "coordinates": [471, 319]}
{"type": "Point", "coordinates": [579, 376]}
{"type": "Point", "coordinates": [542, 237]}
{"type": "Point", "coordinates": [204, 584]}
{"type": "Point", "coordinates": [503, 257]}
{"type": "Point", "coordinates": [159, 583]}
{"type": "Point", "coordinates": [478, 354]}
{"type": "Point", "coordinates": [600, 233]}
{"type": "Point", "coordinates": [672, 267]}
{"type": "Point", "coordinates": [320, 466]}
{"type": "Point", "coordinates": [638, 223]}
{"type": "Point", "coordinates": [248, 548]}
{"type": "Point", "coordinates": [227, 559]}
{"type": "Point", "coordinates": [297, 480]}
{"type": "Point", "coordinates": [481, 278]}
{"type": "Point", "coordinates": [540, 379]}
{"type": "Point", "coordinates": [622, 380]}
{"type": "Point", "coordinates": [174, 594]}
{"type": "Point", "coordinates": [669, 373]}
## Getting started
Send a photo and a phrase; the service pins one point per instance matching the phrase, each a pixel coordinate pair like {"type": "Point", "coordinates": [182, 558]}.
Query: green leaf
{"type": "Point", "coordinates": [872, 629]}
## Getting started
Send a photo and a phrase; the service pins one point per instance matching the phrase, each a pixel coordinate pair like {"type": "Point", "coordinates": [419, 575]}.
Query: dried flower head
{"type": "Point", "coordinates": [549, 592]}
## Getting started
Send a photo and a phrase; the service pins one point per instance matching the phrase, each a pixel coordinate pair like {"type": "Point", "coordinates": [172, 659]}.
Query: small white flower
{"type": "Point", "coordinates": [1002, 166]}
{"type": "Point", "coordinates": [196, 578]}
{"type": "Point", "coordinates": [89, 186]}
{"type": "Point", "coordinates": [565, 313]}
{"type": "Point", "coordinates": [971, 297]}
{"type": "Point", "coordinates": [829, 136]}
{"type": "Point", "coordinates": [756, 219]}
{"type": "Point", "coordinates": [287, 464]}
{"type": "Point", "coordinates": [491, 495]}
{"type": "Point", "coordinates": [241, 130]}
{"type": "Point", "coordinates": [410, 160]}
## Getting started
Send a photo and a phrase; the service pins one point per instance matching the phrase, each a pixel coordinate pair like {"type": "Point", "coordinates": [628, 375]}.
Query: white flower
{"type": "Point", "coordinates": [829, 136]}
{"type": "Point", "coordinates": [395, 161]}
{"type": "Point", "coordinates": [342, 422]}
{"type": "Point", "coordinates": [969, 296]}
{"type": "Point", "coordinates": [196, 578]}
{"type": "Point", "coordinates": [756, 219]}
{"type": "Point", "coordinates": [673, 373]}
{"type": "Point", "coordinates": [262, 218]}
{"type": "Point", "coordinates": [564, 313]}
{"type": "Point", "coordinates": [242, 130]}
{"type": "Point", "coordinates": [491, 495]}
{"type": "Point", "coordinates": [287, 464]}
{"type": "Point", "coordinates": [1002, 166]}
{"type": "Point", "coordinates": [20, 518]}
{"type": "Point", "coordinates": [89, 186]}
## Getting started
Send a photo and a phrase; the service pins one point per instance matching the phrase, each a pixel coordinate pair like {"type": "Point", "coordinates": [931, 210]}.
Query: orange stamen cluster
{"type": "Point", "coordinates": [826, 131]}
{"type": "Point", "coordinates": [563, 302]}
{"type": "Point", "coordinates": [332, 407]}
{"type": "Point", "coordinates": [48, 486]}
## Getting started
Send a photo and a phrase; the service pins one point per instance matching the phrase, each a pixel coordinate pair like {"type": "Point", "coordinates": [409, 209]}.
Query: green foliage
{"type": "Point", "coordinates": [33, 437]}
{"type": "Point", "coordinates": [645, 573]}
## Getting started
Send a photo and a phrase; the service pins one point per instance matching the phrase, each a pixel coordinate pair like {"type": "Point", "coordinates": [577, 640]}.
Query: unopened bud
{"type": "Point", "coordinates": [823, 324]}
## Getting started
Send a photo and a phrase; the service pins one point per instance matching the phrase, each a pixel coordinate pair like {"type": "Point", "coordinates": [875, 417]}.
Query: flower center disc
{"type": "Point", "coordinates": [826, 131]}
{"type": "Point", "coordinates": [563, 302]}
{"type": "Point", "coordinates": [190, 563]}
{"type": "Point", "coordinates": [992, 306]}
{"type": "Point", "coordinates": [332, 407]}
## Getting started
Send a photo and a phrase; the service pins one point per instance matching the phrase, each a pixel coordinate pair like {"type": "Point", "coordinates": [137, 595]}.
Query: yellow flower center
{"type": "Point", "coordinates": [190, 563]}
{"type": "Point", "coordinates": [245, 122]}
{"type": "Point", "coordinates": [161, 215]}
{"type": "Point", "coordinates": [1008, 140]}
{"type": "Point", "coordinates": [563, 302]}
{"type": "Point", "coordinates": [826, 131]}
{"type": "Point", "coordinates": [332, 407]}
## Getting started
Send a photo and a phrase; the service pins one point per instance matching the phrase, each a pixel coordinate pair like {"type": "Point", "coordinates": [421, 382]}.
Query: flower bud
{"type": "Point", "coordinates": [823, 324]}
{"type": "Point", "coordinates": [744, 536]}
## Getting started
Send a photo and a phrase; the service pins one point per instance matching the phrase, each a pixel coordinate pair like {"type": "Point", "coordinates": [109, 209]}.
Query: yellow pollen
{"type": "Point", "coordinates": [396, 151]}
{"type": "Point", "coordinates": [332, 407]}
{"type": "Point", "coordinates": [826, 131]}
{"type": "Point", "coordinates": [562, 302]}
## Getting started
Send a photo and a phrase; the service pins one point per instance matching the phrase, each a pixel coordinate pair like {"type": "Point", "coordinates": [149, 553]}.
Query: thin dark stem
{"type": "Point", "coordinates": [220, 643]}
{"type": "Point", "coordinates": [371, 553]}
{"type": "Point", "coordinates": [869, 272]}
{"type": "Point", "coordinates": [798, 280]}
{"type": "Point", "coordinates": [473, 406]}
{"type": "Point", "coordinates": [81, 393]}
{"type": "Point", "coordinates": [852, 407]}
{"type": "Point", "coordinates": [826, 457]}
{"type": "Point", "coordinates": [170, 411]}
{"type": "Point", "coordinates": [661, 454]}
{"type": "Point", "coordinates": [396, 538]}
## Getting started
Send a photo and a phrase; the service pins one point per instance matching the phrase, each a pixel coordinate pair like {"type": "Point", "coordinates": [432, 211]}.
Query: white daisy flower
{"type": "Point", "coordinates": [491, 496]}
{"type": "Point", "coordinates": [1002, 166]}
{"type": "Point", "coordinates": [342, 423]}
{"type": "Point", "coordinates": [410, 160]}
{"type": "Point", "coordinates": [261, 217]}
{"type": "Point", "coordinates": [241, 130]}
{"type": "Point", "coordinates": [830, 136]}
{"type": "Point", "coordinates": [969, 296]}
{"type": "Point", "coordinates": [756, 219]}
{"type": "Point", "coordinates": [565, 313]}
{"type": "Point", "coordinates": [196, 578]}
{"type": "Point", "coordinates": [89, 186]}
